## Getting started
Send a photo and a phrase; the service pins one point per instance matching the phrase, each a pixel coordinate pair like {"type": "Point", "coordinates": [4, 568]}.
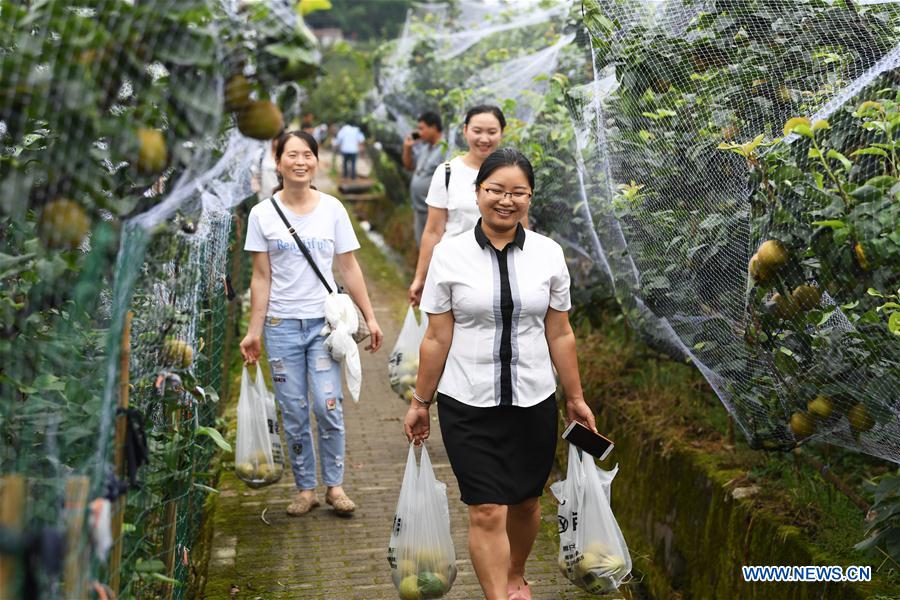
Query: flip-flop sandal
{"type": "Point", "coordinates": [301, 506]}
{"type": "Point", "coordinates": [341, 504]}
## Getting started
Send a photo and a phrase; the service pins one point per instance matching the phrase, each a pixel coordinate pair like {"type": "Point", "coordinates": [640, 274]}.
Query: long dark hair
{"type": "Point", "coordinates": [487, 108]}
{"type": "Point", "coordinates": [279, 150]}
{"type": "Point", "coordinates": [505, 157]}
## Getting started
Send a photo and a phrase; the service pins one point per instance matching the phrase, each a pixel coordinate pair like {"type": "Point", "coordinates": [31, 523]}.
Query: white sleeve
{"type": "Point", "coordinates": [436, 296]}
{"type": "Point", "coordinates": [256, 240]}
{"type": "Point", "coordinates": [344, 237]}
{"type": "Point", "coordinates": [437, 191]}
{"type": "Point", "coordinates": [559, 283]}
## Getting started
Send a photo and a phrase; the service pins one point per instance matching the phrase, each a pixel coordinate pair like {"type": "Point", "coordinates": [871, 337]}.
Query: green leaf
{"type": "Point", "coordinates": [304, 7]}
{"type": "Point", "coordinates": [894, 323]}
{"type": "Point", "coordinates": [205, 488]}
{"type": "Point", "coordinates": [11, 265]}
{"type": "Point", "coordinates": [814, 153]}
{"type": "Point", "coordinates": [165, 578]}
{"type": "Point", "coordinates": [870, 150]}
{"type": "Point", "coordinates": [216, 437]}
{"type": "Point", "coordinates": [833, 224]}
{"type": "Point", "coordinates": [840, 157]}
{"type": "Point", "coordinates": [149, 566]}
{"type": "Point", "coordinates": [820, 125]}
{"type": "Point", "coordinates": [798, 125]}
{"type": "Point", "coordinates": [874, 292]}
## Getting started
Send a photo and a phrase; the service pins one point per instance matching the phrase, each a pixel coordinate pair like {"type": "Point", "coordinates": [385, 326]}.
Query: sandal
{"type": "Point", "coordinates": [519, 592]}
{"type": "Point", "coordinates": [342, 504]}
{"type": "Point", "coordinates": [300, 506]}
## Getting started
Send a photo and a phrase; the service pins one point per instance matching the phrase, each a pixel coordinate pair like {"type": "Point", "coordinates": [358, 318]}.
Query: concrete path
{"type": "Point", "coordinates": [323, 556]}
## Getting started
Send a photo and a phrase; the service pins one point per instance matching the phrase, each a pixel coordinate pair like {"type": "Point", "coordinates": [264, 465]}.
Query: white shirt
{"type": "Point", "coordinates": [263, 167]}
{"type": "Point", "coordinates": [461, 202]}
{"type": "Point", "coordinates": [296, 291]}
{"type": "Point", "coordinates": [499, 353]}
{"type": "Point", "coordinates": [348, 139]}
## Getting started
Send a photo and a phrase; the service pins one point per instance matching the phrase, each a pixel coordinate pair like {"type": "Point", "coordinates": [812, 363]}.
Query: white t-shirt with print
{"type": "Point", "coordinates": [461, 202]}
{"type": "Point", "coordinates": [296, 291]}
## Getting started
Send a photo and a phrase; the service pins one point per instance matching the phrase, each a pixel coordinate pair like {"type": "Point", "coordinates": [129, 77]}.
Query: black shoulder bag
{"type": "Point", "coordinates": [363, 331]}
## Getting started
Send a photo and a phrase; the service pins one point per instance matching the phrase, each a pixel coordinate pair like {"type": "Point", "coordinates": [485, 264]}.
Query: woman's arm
{"type": "Point", "coordinates": [561, 341]}
{"type": "Point", "coordinates": [431, 235]}
{"type": "Point", "coordinates": [432, 358]}
{"type": "Point", "coordinates": [260, 284]}
{"type": "Point", "coordinates": [352, 277]}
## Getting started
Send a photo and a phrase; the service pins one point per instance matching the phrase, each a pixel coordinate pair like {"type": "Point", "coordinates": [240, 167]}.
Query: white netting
{"type": "Point", "coordinates": [123, 157]}
{"type": "Point", "coordinates": [658, 133]}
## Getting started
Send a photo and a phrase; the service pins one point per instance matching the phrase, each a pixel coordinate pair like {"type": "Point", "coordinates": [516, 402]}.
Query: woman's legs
{"type": "Point", "coordinates": [287, 362]}
{"type": "Point", "coordinates": [327, 400]}
{"type": "Point", "coordinates": [523, 521]}
{"type": "Point", "coordinates": [489, 547]}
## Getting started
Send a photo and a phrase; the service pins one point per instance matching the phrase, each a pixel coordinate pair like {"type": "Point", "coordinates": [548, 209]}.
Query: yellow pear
{"type": "Point", "coordinates": [260, 120]}
{"type": "Point", "coordinates": [802, 425]}
{"type": "Point", "coordinates": [152, 154]}
{"type": "Point", "coordinates": [63, 224]}
{"type": "Point", "coordinates": [772, 255]}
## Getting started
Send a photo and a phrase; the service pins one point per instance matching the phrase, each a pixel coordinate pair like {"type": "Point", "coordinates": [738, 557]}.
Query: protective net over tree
{"type": "Point", "coordinates": [128, 131]}
{"type": "Point", "coordinates": [726, 170]}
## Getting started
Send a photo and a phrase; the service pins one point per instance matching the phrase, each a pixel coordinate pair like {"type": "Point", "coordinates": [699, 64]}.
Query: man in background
{"type": "Point", "coordinates": [349, 141]}
{"type": "Point", "coordinates": [423, 152]}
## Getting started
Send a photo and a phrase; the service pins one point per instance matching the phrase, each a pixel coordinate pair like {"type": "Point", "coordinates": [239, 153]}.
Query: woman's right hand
{"type": "Point", "coordinates": [417, 424]}
{"type": "Point", "coordinates": [415, 292]}
{"type": "Point", "coordinates": [251, 348]}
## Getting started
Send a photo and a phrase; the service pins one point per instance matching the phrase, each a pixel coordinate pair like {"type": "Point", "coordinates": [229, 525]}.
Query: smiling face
{"type": "Point", "coordinates": [483, 134]}
{"type": "Point", "coordinates": [297, 164]}
{"type": "Point", "coordinates": [501, 212]}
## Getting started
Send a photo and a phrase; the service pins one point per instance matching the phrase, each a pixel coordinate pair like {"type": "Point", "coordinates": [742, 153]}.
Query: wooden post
{"type": "Point", "coordinates": [75, 566]}
{"type": "Point", "coordinates": [115, 560]}
{"type": "Point", "coordinates": [170, 536]}
{"type": "Point", "coordinates": [12, 509]}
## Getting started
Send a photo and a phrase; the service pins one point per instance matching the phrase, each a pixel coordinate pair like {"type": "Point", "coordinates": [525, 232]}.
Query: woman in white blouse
{"type": "Point", "coordinates": [452, 206]}
{"type": "Point", "coordinates": [497, 298]}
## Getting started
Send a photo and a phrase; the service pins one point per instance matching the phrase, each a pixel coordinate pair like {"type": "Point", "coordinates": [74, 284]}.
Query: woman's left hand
{"type": "Point", "coordinates": [377, 336]}
{"type": "Point", "coordinates": [578, 410]}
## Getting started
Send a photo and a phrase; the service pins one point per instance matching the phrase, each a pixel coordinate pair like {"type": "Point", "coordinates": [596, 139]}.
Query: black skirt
{"type": "Point", "coordinates": [500, 454]}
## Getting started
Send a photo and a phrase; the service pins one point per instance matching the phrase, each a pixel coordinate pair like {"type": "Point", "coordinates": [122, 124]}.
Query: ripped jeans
{"type": "Point", "coordinates": [296, 353]}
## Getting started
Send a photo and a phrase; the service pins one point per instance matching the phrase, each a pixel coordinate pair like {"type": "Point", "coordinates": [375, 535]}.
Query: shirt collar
{"type": "Point", "coordinates": [483, 241]}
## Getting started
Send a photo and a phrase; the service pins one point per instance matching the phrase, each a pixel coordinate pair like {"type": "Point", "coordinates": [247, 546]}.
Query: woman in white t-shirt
{"type": "Point", "coordinates": [287, 307]}
{"type": "Point", "coordinates": [452, 206]}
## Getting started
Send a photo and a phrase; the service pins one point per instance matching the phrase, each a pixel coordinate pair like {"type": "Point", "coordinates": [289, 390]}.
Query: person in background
{"type": "Point", "coordinates": [287, 308]}
{"type": "Point", "coordinates": [263, 177]}
{"type": "Point", "coordinates": [452, 204]}
{"type": "Point", "coordinates": [350, 141]}
{"type": "Point", "coordinates": [423, 152]}
{"type": "Point", "coordinates": [497, 298]}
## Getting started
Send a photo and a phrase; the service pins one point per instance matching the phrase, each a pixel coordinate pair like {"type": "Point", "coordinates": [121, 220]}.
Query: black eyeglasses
{"type": "Point", "coordinates": [498, 194]}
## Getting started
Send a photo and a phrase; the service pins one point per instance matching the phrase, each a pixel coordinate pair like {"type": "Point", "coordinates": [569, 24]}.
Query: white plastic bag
{"type": "Point", "coordinates": [256, 462]}
{"type": "Point", "coordinates": [341, 323]}
{"type": "Point", "coordinates": [403, 364]}
{"type": "Point", "coordinates": [420, 551]}
{"type": "Point", "coordinates": [592, 551]}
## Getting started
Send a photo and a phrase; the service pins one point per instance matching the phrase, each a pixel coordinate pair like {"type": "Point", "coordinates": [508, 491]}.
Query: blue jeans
{"type": "Point", "coordinates": [302, 368]}
{"type": "Point", "coordinates": [349, 166]}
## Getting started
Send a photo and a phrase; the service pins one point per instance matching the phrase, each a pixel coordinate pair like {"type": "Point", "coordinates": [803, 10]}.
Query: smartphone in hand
{"type": "Point", "coordinates": [593, 443]}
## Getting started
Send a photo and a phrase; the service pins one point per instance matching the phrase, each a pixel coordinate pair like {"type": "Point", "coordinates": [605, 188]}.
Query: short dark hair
{"type": "Point", "coordinates": [432, 119]}
{"type": "Point", "coordinates": [487, 108]}
{"type": "Point", "coordinates": [505, 157]}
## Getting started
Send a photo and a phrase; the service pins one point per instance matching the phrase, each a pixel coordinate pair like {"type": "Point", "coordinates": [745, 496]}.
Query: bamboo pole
{"type": "Point", "coordinates": [12, 510]}
{"type": "Point", "coordinates": [232, 317]}
{"type": "Point", "coordinates": [75, 565]}
{"type": "Point", "coordinates": [115, 560]}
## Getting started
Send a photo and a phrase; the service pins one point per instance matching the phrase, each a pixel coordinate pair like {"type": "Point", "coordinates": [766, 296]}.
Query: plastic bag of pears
{"type": "Point", "coordinates": [258, 459]}
{"type": "Point", "coordinates": [403, 364]}
{"type": "Point", "coordinates": [592, 551]}
{"type": "Point", "coordinates": [420, 551]}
